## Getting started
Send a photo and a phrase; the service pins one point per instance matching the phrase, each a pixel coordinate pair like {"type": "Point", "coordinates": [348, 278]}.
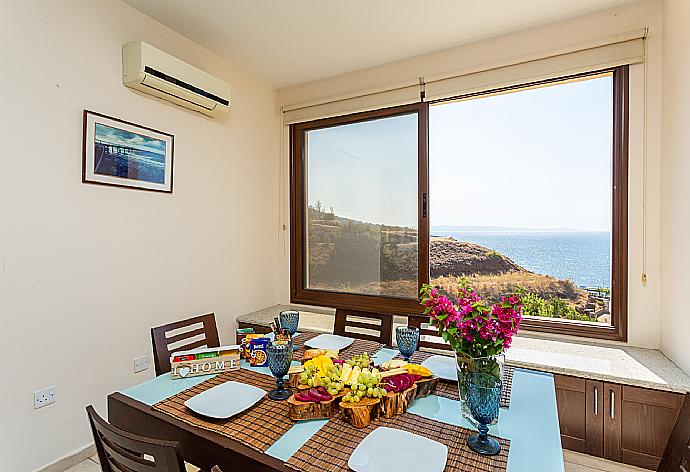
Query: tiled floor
{"type": "Point", "coordinates": [89, 465]}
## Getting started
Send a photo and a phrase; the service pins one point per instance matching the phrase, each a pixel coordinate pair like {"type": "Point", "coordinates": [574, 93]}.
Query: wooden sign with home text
{"type": "Point", "coordinates": [204, 361]}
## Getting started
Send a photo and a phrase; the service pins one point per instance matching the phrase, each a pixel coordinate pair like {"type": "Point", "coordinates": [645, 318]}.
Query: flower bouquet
{"type": "Point", "coordinates": [478, 332]}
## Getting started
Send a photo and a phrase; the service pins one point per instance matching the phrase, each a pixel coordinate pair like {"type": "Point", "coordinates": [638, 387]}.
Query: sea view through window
{"type": "Point", "coordinates": [520, 187]}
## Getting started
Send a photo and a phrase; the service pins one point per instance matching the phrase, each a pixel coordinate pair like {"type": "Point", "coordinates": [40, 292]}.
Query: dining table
{"type": "Point", "coordinates": [530, 423]}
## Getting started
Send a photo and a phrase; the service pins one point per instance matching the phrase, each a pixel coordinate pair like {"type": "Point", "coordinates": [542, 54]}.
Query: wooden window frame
{"type": "Point", "coordinates": [617, 331]}
{"type": "Point", "coordinates": [378, 303]}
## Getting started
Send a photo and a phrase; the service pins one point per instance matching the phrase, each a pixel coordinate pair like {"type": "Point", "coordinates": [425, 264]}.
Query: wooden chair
{"type": "Point", "coordinates": [676, 457]}
{"type": "Point", "coordinates": [120, 451]}
{"type": "Point", "coordinates": [379, 325]}
{"type": "Point", "coordinates": [417, 321]}
{"type": "Point", "coordinates": [162, 339]}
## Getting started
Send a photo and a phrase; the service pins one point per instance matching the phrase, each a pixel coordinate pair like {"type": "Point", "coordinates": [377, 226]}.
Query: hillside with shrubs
{"type": "Point", "coordinates": [353, 256]}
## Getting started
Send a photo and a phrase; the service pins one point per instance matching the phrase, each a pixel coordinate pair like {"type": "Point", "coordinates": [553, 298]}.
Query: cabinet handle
{"type": "Point", "coordinates": [613, 401]}
{"type": "Point", "coordinates": [596, 401]}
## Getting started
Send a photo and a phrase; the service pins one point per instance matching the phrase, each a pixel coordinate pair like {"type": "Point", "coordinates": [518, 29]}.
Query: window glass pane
{"type": "Point", "coordinates": [362, 207]}
{"type": "Point", "coordinates": [520, 195]}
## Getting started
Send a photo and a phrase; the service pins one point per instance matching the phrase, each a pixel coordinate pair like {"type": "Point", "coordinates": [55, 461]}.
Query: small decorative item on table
{"type": "Point", "coordinates": [479, 333]}
{"type": "Point", "coordinates": [257, 352]}
{"type": "Point", "coordinates": [484, 400]}
{"type": "Point", "coordinates": [407, 338]}
{"type": "Point", "coordinates": [245, 351]}
{"type": "Point", "coordinates": [204, 361]}
{"type": "Point", "coordinates": [241, 333]}
{"type": "Point", "coordinates": [289, 320]}
{"type": "Point", "coordinates": [279, 361]}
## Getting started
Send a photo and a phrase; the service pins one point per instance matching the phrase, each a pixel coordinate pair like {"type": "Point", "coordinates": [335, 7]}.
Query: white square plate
{"type": "Point", "coordinates": [443, 367]}
{"type": "Point", "coordinates": [329, 341]}
{"type": "Point", "coordinates": [225, 400]}
{"type": "Point", "coordinates": [386, 449]}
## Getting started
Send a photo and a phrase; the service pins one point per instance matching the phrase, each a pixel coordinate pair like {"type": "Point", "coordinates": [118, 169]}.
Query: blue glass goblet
{"type": "Point", "coordinates": [484, 401]}
{"type": "Point", "coordinates": [279, 361]}
{"type": "Point", "coordinates": [407, 338]}
{"type": "Point", "coordinates": [290, 320]}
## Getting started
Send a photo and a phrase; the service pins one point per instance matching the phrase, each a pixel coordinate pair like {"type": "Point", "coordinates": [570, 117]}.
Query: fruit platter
{"type": "Point", "coordinates": [327, 386]}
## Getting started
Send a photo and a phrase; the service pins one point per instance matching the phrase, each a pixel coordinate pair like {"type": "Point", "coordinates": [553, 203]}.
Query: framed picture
{"type": "Point", "coordinates": [123, 154]}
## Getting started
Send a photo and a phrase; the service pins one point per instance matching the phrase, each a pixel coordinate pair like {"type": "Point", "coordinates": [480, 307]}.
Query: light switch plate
{"type": "Point", "coordinates": [141, 364]}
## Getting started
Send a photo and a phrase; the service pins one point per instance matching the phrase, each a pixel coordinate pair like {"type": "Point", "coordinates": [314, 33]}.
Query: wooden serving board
{"type": "Point", "coordinates": [299, 410]}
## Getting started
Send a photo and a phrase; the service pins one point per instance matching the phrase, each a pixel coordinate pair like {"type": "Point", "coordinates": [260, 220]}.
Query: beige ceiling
{"type": "Point", "coordinates": [286, 42]}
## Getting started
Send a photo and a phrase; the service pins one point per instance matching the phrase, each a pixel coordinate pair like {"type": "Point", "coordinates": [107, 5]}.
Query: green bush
{"type": "Point", "coordinates": [495, 254]}
{"type": "Point", "coordinates": [534, 305]}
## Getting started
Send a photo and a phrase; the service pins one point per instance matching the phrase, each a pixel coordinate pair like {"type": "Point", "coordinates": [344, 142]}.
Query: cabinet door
{"type": "Point", "coordinates": [595, 418]}
{"type": "Point", "coordinates": [647, 418]}
{"type": "Point", "coordinates": [580, 414]}
{"type": "Point", "coordinates": [612, 422]}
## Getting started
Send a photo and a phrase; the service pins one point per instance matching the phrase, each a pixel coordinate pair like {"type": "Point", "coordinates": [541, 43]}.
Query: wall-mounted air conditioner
{"type": "Point", "coordinates": [157, 73]}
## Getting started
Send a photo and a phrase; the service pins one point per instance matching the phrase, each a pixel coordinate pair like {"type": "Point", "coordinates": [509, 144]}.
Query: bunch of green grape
{"type": "Point", "coordinates": [361, 360]}
{"type": "Point", "coordinates": [307, 377]}
{"type": "Point", "coordinates": [367, 386]}
{"type": "Point", "coordinates": [331, 381]}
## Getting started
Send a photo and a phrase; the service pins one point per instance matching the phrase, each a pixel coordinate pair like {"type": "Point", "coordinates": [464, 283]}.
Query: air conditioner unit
{"type": "Point", "coordinates": [157, 73]}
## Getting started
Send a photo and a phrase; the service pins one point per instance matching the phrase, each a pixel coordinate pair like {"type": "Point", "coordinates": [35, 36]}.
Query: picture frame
{"type": "Point", "coordinates": [120, 153]}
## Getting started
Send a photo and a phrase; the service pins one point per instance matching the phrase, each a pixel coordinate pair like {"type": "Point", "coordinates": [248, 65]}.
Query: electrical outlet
{"type": "Point", "coordinates": [141, 364]}
{"type": "Point", "coordinates": [44, 397]}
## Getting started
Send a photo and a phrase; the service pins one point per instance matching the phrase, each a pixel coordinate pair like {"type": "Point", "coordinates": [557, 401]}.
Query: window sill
{"type": "Point", "coordinates": [605, 361]}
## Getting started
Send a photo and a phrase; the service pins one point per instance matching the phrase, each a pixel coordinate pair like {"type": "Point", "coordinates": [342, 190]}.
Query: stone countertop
{"type": "Point", "coordinates": [638, 367]}
{"type": "Point", "coordinates": [311, 318]}
{"type": "Point", "coordinates": [622, 364]}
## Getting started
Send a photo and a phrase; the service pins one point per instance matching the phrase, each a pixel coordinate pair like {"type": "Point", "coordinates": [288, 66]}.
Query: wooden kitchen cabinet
{"type": "Point", "coordinates": [617, 422]}
{"type": "Point", "coordinates": [646, 421]}
{"type": "Point", "coordinates": [580, 421]}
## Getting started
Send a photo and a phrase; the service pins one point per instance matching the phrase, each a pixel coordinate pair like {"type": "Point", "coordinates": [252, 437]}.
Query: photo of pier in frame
{"type": "Point", "coordinates": [124, 154]}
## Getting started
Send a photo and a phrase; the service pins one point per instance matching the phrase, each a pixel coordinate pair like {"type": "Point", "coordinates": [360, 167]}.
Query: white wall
{"type": "Point", "coordinates": [643, 300]}
{"type": "Point", "coordinates": [675, 175]}
{"type": "Point", "coordinates": [86, 270]}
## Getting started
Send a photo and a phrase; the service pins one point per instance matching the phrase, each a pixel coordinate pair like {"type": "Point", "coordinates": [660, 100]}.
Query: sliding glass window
{"type": "Point", "coordinates": [359, 209]}
{"type": "Point", "coordinates": [521, 190]}
{"type": "Point", "coordinates": [524, 186]}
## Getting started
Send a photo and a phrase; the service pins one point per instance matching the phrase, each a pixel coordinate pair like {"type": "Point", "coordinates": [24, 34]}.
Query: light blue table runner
{"type": "Point", "coordinates": [531, 422]}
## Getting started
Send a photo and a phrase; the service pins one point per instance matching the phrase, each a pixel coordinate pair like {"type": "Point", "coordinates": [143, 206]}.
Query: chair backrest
{"type": "Point", "coordinates": [120, 451]}
{"type": "Point", "coordinates": [175, 333]}
{"type": "Point", "coordinates": [364, 325]}
{"type": "Point", "coordinates": [676, 457]}
{"type": "Point", "coordinates": [425, 333]}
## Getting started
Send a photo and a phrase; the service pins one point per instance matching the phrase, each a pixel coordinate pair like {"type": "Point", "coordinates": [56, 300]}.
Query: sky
{"type": "Point", "coordinates": [538, 158]}
{"type": "Point", "coordinates": [126, 138]}
{"type": "Point", "coordinates": [366, 171]}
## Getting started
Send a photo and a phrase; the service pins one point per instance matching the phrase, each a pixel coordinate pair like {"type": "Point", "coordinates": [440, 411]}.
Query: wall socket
{"type": "Point", "coordinates": [141, 364]}
{"type": "Point", "coordinates": [44, 397]}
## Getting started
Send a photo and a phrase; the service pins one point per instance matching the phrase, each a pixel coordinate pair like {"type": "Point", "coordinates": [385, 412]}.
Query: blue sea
{"type": "Point", "coordinates": [583, 257]}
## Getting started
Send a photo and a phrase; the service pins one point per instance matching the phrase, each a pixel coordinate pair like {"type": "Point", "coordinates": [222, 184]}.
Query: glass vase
{"type": "Point", "coordinates": [466, 364]}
